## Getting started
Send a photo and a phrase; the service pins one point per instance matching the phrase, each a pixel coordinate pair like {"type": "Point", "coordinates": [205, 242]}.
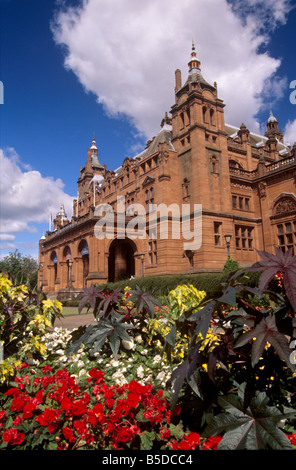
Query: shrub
{"type": "Point", "coordinates": [231, 265]}
{"type": "Point", "coordinates": [244, 376]}
{"type": "Point", "coordinates": [24, 318]}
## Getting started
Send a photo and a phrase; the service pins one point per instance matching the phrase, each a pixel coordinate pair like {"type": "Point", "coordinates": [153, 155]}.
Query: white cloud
{"type": "Point", "coordinates": [26, 198]}
{"type": "Point", "coordinates": [126, 53]}
{"type": "Point", "coordinates": [290, 132]}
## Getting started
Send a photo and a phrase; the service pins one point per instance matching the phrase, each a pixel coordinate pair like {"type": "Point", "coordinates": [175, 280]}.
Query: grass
{"type": "Point", "coordinates": [74, 311]}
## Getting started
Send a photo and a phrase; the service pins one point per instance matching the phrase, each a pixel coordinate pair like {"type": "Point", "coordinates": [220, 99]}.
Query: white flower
{"type": "Point", "coordinates": [114, 363]}
{"type": "Point", "coordinates": [128, 344]}
{"type": "Point", "coordinates": [140, 372]}
{"type": "Point", "coordinates": [156, 359]}
{"type": "Point", "coordinates": [60, 351]}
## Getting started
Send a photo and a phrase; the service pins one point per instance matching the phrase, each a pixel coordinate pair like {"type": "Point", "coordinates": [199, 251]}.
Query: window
{"type": "Point", "coordinates": [244, 238]}
{"type": "Point", "coordinates": [204, 114]}
{"type": "Point", "coordinates": [212, 112]}
{"type": "Point", "coordinates": [150, 200]}
{"type": "Point", "coordinates": [152, 250]}
{"type": "Point", "coordinates": [217, 233]}
{"type": "Point", "coordinates": [286, 233]}
{"type": "Point", "coordinates": [182, 120]}
{"type": "Point", "coordinates": [241, 203]}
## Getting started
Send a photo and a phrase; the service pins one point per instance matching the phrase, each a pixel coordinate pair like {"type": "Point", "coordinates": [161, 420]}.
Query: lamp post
{"type": "Point", "coordinates": [142, 256]}
{"type": "Point", "coordinates": [70, 262]}
{"type": "Point", "coordinates": [227, 239]}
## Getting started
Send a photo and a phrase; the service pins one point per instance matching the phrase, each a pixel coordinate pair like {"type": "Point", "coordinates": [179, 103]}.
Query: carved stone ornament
{"type": "Point", "coordinates": [262, 189]}
{"type": "Point", "coordinates": [285, 205]}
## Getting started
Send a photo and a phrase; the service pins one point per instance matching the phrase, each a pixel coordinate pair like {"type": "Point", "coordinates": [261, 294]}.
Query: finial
{"type": "Point", "coordinates": [94, 147]}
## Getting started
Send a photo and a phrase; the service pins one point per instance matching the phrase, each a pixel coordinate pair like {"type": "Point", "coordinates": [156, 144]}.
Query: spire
{"type": "Point", "coordinates": [94, 147]}
{"type": "Point", "coordinates": [194, 63]}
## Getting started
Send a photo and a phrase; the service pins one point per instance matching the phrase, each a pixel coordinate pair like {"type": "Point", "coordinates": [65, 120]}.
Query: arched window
{"type": "Point", "coordinates": [234, 164]}
{"type": "Point", "coordinates": [212, 116]}
{"type": "Point", "coordinates": [83, 250]}
{"type": "Point", "coordinates": [284, 211]}
{"type": "Point", "coordinates": [204, 114]}
{"type": "Point", "coordinates": [54, 260]}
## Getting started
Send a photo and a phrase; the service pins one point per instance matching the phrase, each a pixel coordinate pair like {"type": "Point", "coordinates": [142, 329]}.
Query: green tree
{"type": "Point", "coordinates": [24, 269]}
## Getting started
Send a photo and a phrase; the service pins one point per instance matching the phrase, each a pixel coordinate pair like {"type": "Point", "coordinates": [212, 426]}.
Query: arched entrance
{"type": "Point", "coordinates": [121, 262]}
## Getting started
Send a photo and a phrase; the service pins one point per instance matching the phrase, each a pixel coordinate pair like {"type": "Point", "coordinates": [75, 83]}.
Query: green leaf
{"type": "Point", "coordinates": [147, 439]}
{"type": "Point", "coordinates": [252, 429]}
{"type": "Point", "coordinates": [176, 431]}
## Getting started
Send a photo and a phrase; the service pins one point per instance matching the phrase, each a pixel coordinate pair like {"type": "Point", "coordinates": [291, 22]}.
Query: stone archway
{"type": "Point", "coordinates": [121, 261]}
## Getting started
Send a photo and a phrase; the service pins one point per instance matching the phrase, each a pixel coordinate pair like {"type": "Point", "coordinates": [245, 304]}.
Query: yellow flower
{"type": "Point", "coordinates": [51, 304]}
{"type": "Point", "coordinates": [41, 320]}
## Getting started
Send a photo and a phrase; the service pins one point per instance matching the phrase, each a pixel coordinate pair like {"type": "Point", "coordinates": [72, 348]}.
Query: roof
{"type": "Point", "coordinates": [256, 140]}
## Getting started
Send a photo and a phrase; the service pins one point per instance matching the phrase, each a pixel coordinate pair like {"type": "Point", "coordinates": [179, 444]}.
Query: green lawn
{"type": "Point", "coordinates": [74, 311]}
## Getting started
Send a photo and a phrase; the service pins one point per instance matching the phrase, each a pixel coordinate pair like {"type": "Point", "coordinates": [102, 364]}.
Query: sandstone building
{"type": "Point", "coordinates": [245, 183]}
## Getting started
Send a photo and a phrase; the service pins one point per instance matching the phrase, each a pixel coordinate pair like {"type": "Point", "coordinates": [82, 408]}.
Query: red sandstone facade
{"type": "Point", "coordinates": [246, 184]}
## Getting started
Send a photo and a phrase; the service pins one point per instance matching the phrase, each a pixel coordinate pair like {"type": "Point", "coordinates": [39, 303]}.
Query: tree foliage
{"type": "Point", "coordinates": [24, 269]}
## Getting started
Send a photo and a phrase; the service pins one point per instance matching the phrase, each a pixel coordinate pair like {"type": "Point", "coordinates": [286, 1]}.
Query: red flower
{"type": "Point", "coordinates": [292, 438]}
{"type": "Point", "coordinates": [28, 410]}
{"type": "Point", "coordinates": [193, 439]}
{"type": "Point", "coordinates": [211, 443]}
{"type": "Point", "coordinates": [18, 404]}
{"type": "Point", "coordinates": [79, 408]}
{"type": "Point", "coordinates": [124, 434]}
{"type": "Point", "coordinates": [13, 437]}
{"type": "Point", "coordinates": [165, 433]}
{"type": "Point", "coordinates": [81, 427]}
{"type": "Point", "coordinates": [13, 391]}
{"type": "Point", "coordinates": [69, 434]}
{"type": "Point", "coordinates": [96, 414]}
{"type": "Point", "coordinates": [132, 400]}
{"type": "Point", "coordinates": [48, 417]}
{"type": "Point", "coordinates": [66, 404]}
{"type": "Point", "coordinates": [97, 374]}
{"type": "Point", "coordinates": [17, 421]}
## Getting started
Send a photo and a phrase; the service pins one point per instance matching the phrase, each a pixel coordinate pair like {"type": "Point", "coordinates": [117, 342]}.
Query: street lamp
{"type": "Point", "coordinates": [142, 256]}
{"type": "Point", "coordinates": [70, 262]}
{"type": "Point", "coordinates": [227, 239]}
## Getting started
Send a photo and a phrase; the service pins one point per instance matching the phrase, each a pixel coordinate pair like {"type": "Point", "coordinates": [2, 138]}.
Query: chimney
{"type": "Point", "coordinates": [178, 80]}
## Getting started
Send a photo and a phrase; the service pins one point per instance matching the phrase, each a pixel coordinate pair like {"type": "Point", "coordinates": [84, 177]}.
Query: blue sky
{"type": "Point", "coordinates": [107, 67]}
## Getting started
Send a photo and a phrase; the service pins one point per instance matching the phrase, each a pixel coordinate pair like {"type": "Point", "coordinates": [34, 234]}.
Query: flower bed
{"type": "Point", "coordinates": [47, 410]}
{"type": "Point", "coordinates": [201, 373]}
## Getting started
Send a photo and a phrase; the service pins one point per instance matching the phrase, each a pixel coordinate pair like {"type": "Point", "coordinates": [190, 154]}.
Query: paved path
{"type": "Point", "coordinates": [74, 321]}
